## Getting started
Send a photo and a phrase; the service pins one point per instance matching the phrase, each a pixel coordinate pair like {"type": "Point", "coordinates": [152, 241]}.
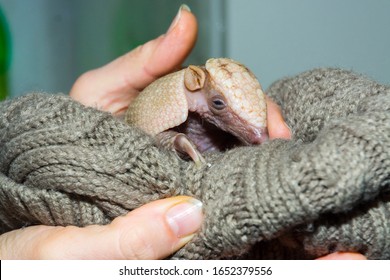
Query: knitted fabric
{"type": "Point", "coordinates": [325, 190]}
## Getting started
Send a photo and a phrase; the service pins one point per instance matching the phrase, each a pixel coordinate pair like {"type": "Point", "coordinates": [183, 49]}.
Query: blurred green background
{"type": "Point", "coordinates": [46, 44]}
{"type": "Point", "coordinates": [5, 55]}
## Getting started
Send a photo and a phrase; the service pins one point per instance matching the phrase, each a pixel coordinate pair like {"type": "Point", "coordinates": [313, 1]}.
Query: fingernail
{"type": "Point", "coordinates": [185, 218]}
{"type": "Point", "coordinates": [178, 15]}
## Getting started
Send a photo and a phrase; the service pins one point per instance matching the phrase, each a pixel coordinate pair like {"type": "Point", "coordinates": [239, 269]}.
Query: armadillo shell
{"type": "Point", "coordinates": [160, 106]}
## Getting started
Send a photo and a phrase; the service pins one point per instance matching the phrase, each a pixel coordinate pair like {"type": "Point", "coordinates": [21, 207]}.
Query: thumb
{"type": "Point", "coordinates": [153, 231]}
{"type": "Point", "coordinates": [113, 86]}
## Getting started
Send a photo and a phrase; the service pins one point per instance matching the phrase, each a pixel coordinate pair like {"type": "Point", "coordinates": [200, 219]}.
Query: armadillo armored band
{"type": "Point", "coordinates": [326, 190]}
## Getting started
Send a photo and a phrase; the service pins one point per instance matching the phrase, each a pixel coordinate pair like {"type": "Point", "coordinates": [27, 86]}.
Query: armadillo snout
{"type": "Point", "coordinates": [255, 136]}
{"type": "Point", "coordinates": [263, 137]}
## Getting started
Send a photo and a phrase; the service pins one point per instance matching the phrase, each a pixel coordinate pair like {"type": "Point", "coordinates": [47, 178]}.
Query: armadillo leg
{"type": "Point", "coordinates": [180, 143]}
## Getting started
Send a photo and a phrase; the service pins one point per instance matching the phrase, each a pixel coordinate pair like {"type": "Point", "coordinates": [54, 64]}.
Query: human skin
{"type": "Point", "coordinates": [157, 229]}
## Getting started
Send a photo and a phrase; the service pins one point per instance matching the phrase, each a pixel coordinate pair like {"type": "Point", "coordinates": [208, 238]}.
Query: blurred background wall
{"type": "Point", "coordinates": [47, 44]}
{"type": "Point", "coordinates": [285, 37]}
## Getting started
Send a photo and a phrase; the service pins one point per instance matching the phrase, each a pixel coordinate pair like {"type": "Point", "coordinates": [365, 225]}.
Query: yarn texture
{"type": "Point", "coordinates": [326, 190]}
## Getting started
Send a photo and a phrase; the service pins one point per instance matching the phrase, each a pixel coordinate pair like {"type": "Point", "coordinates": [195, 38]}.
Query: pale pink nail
{"type": "Point", "coordinates": [185, 218]}
{"type": "Point", "coordinates": [178, 15]}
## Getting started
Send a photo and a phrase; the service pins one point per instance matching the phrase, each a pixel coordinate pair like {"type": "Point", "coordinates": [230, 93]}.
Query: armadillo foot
{"type": "Point", "coordinates": [180, 143]}
{"type": "Point", "coordinates": [184, 145]}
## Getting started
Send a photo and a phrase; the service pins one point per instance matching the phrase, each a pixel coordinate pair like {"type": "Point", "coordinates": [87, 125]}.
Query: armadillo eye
{"type": "Point", "coordinates": [219, 104]}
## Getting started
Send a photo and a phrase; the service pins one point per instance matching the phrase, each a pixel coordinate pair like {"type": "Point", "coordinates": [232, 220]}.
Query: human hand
{"type": "Point", "coordinates": [343, 256]}
{"type": "Point", "coordinates": [112, 87]}
{"type": "Point", "coordinates": [153, 231]}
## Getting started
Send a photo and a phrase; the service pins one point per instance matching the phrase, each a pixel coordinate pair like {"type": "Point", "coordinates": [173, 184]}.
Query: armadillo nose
{"type": "Point", "coordinates": [260, 136]}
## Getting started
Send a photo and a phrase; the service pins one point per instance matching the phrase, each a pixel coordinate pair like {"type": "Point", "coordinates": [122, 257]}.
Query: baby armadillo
{"type": "Point", "coordinates": [186, 110]}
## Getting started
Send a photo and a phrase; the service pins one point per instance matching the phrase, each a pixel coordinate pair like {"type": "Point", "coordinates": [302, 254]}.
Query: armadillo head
{"type": "Point", "coordinates": [235, 100]}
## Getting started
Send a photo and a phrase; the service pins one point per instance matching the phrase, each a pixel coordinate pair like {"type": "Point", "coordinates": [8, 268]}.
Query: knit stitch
{"type": "Point", "coordinates": [325, 190]}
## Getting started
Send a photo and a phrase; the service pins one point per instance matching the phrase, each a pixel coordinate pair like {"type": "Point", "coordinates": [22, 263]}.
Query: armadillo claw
{"type": "Point", "coordinates": [184, 145]}
{"type": "Point", "coordinates": [181, 144]}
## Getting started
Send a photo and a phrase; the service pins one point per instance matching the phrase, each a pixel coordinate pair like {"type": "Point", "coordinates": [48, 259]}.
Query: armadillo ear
{"type": "Point", "coordinates": [194, 78]}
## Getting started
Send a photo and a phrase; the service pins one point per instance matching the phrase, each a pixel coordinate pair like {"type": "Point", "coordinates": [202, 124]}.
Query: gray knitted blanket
{"type": "Point", "coordinates": [325, 190]}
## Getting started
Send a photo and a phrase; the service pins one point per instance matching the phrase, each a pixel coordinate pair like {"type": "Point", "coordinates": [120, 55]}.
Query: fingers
{"type": "Point", "coordinates": [277, 128]}
{"type": "Point", "coordinates": [166, 53]}
{"type": "Point", "coordinates": [113, 86]}
{"type": "Point", "coordinates": [343, 256]}
{"type": "Point", "coordinates": [153, 231]}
